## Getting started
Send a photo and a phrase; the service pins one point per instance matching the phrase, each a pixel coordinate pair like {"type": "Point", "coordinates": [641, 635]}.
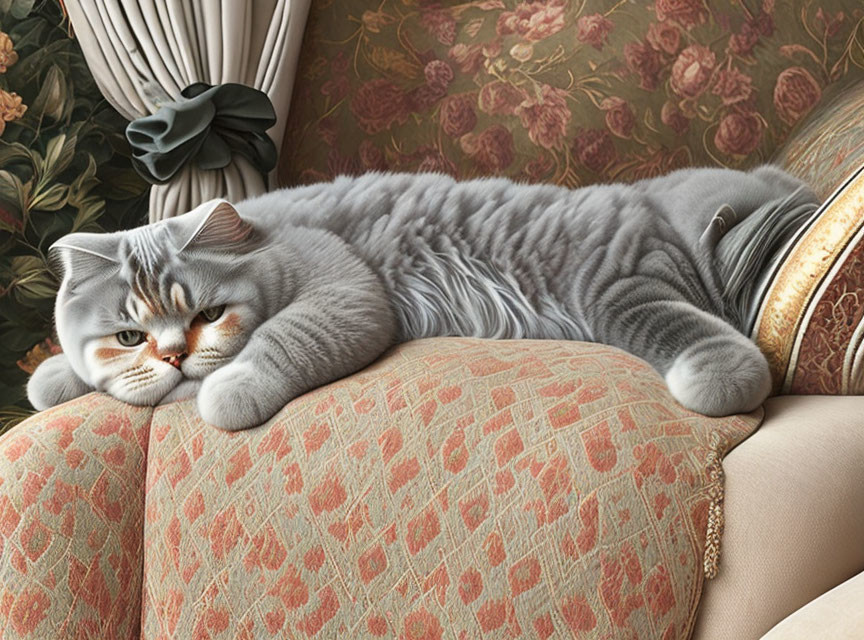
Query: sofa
{"type": "Point", "coordinates": [465, 488]}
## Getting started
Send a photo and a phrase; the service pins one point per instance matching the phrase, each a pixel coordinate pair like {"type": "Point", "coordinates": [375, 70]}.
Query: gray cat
{"type": "Point", "coordinates": [253, 306]}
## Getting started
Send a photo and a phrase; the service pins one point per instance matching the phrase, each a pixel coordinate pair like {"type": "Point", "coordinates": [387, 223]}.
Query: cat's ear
{"type": "Point", "coordinates": [82, 255]}
{"type": "Point", "coordinates": [217, 225]}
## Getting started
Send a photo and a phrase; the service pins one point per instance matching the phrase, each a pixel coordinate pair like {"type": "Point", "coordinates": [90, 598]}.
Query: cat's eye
{"type": "Point", "coordinates": [130, 338]}
{"type": "Point", "coordinates": [212, 314]}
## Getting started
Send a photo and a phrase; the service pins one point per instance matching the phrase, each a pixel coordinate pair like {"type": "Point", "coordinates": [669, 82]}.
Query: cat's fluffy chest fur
{"type": "Point", "coordinates": [320, 280]}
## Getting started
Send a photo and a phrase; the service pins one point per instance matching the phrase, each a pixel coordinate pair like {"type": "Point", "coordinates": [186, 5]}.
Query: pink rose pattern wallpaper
{"type": "Point", "coordinates": [455, 489]}
{"type": "Point", "coordinates": [570, 93]}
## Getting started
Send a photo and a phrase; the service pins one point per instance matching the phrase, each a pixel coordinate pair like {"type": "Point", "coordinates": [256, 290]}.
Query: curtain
{"type": "Point", "coordinates": [145, 52]}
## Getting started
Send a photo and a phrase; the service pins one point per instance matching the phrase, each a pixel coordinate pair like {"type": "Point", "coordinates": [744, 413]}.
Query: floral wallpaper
{"type": "Point", "coordinates": [63, 167]}
{"type": "Point", "coordinates": [564, 92]}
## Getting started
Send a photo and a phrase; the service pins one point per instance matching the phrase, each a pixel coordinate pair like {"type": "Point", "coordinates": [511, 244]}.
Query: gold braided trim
{"type": "Point", "coordinates": [714, 530]}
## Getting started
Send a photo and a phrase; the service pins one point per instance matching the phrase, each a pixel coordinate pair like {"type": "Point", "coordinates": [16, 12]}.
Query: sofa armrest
{"type": "Point", "coordinates": [71, 521]}
{"type": "Point", "coordinates": [836, 615]}
{"type": "Point", "coordinates": [793, 513]}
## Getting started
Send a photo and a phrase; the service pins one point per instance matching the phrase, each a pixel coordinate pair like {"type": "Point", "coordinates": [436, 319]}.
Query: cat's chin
{"type": "Point", "coordinates": [149, 395]}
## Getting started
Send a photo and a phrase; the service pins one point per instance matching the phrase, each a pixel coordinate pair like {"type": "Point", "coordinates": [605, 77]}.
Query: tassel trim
{"type": "Point", "coordinates": [716, 522]}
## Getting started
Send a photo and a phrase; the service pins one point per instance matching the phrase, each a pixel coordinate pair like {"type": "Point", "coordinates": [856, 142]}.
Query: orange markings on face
{"type": "Point", "coordinates": [107, 353]}
{"type": "Point", "coordinates": [231, 326]}
{"type": "Point", "coordinates": [149, 352]}
{"type": "Point", "coordinates": [192, 336]}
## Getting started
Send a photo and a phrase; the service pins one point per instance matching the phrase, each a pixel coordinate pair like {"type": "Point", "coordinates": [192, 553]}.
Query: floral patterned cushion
{"type": "Point", "coordinates": [456, 488]}
{"type": "Point", "coordinates": [811, 321]}
{"type": "Point", "coordinates": [828, 146]}
{"type": "Point", "coordinates": [72, 521]}
{"type": "Point", "coordinates": [562, 92]}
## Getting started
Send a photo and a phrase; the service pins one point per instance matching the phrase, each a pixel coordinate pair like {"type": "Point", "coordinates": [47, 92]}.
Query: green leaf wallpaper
{"type": "Point", "coordinates": [64, 167]}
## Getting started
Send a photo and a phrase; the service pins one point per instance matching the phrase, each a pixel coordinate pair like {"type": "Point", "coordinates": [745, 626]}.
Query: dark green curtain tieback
{"type": "Point", "coordinates": [208, 127]}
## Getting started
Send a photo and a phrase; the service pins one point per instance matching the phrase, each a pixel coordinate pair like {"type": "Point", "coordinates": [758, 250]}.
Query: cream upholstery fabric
{"type": "Point", "coordinates": [794, 516]}
{"type": "Point", "coordinates": [837, 615]}
{"type": "Point", "coordinates": [144, 52]}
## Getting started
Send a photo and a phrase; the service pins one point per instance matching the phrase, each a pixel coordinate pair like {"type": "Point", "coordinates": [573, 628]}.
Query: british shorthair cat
{"type": "Point", "coordinates": [249, 306]}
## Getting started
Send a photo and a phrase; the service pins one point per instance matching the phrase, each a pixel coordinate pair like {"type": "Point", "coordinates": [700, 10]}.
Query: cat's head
{"type": "Point", "coordinates": [138, 311]}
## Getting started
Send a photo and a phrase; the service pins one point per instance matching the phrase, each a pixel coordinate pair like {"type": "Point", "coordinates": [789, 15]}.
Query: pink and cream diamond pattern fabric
{"type": "Point", "coordinates": [455, 489]}
{"type": "Point", "coordinates": [72, 522]}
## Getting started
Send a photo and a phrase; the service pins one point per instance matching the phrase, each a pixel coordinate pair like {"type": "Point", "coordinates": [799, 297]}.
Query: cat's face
{"type": "Point", "coordinates": [140, 311]}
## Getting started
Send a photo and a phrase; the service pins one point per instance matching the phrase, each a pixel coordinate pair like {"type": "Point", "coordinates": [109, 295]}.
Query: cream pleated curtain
{"type": "Point", "coordinates": [143, 53]}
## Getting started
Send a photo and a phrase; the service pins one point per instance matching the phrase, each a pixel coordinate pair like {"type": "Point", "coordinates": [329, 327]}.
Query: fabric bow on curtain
{"type": "Point", "coordinates": [207, 128]}
{"type": "Point", "coordinates": [188, 59]}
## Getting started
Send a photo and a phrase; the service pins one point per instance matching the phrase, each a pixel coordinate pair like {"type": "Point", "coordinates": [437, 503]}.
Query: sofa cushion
{"type": "Point", "coordinates": [562, 92]}
{"type": "Point", "coordinates": [72, 521]}
{"type": "Point", "coordinates": [828, 145]}
{"type": "Point", "coordinates": [811, 321]}
{"type": "Point", "coordinates": [794, 517]}
{"type": "Point", "coordinates": [455, 488]}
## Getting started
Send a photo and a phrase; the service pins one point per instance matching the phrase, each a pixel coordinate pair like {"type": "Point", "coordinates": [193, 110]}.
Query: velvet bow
{"type": "Point", "coordinates": [208, 127]}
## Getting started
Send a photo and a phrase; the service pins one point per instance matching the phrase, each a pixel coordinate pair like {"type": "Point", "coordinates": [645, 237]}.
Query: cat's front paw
{"type": "Point", "coordinates": [237, 397]}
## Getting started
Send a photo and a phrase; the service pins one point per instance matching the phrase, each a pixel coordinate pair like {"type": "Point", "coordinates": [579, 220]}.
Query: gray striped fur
{"type": "Point", "coordinates": [324, 278]}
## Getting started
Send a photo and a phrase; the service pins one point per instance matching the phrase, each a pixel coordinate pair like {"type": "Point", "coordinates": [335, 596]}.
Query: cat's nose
{"type": "Point", "coordinates": [169, 344]}
{"type": "Point", "coordinates": [174, 359]}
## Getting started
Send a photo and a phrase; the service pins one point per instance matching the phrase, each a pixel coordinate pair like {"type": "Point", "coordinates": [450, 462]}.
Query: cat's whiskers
{"type": "Point", "coordinates": [129, 373]}
{"type": "Point", "coordinates": [212, 358]}
{"type": "Point", "coordinates": [141, 368]}
{"type": "Point", "coordinates": [144, 375]}
{"type": "Point", "coordinates": [140, 383]}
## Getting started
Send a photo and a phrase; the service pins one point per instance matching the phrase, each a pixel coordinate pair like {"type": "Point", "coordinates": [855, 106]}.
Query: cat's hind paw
{"type": "Point", "coordinates": [720, 376]}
